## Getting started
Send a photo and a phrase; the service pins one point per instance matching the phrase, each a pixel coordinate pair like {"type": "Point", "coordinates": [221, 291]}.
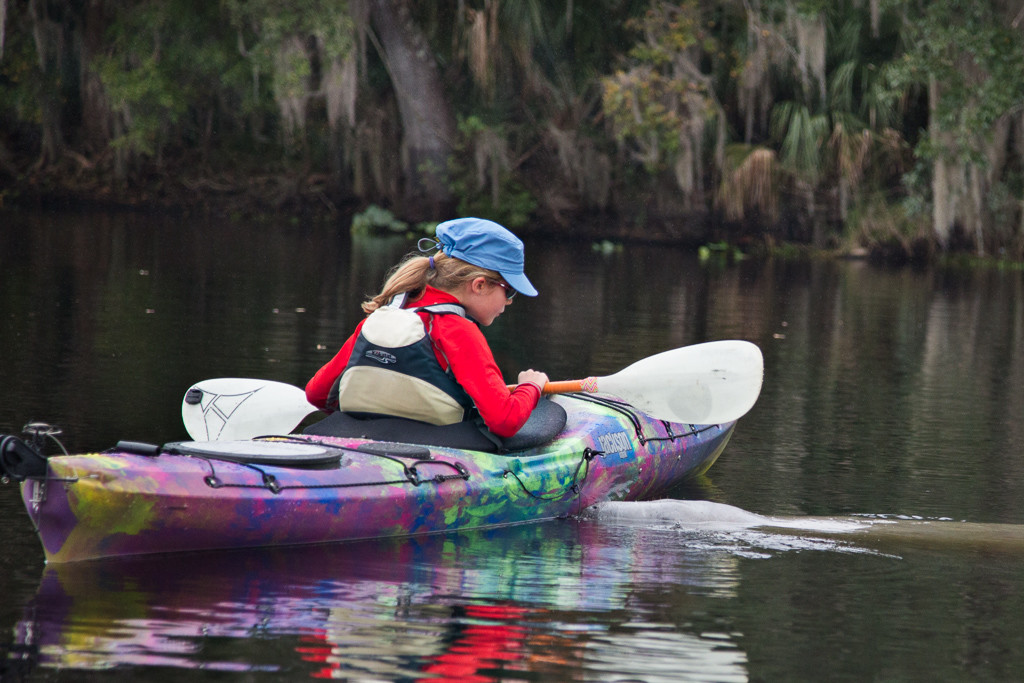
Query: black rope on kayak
{"type": "Point", "coordinates": [271, 483]}
{"type": "Point", "coordinates": [214, 482]}
{"type": "Point", "coordinates": [575, 484]}
{"type": "Point", "coordinates": [631, 415]}
{"type": "Point", "coordinates": [672, 436]}
{"type": "Point", "coordinates": [411, 473]}
{"type": "Point", "coordinates": [625, 409]}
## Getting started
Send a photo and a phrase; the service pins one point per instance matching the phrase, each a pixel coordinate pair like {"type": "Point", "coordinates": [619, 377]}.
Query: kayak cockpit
{"type": "Point", "coordinates": [546, 422]}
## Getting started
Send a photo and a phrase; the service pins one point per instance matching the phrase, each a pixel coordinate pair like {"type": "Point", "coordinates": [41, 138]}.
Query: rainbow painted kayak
{"type": "Point", "coordinates": [295, 489]}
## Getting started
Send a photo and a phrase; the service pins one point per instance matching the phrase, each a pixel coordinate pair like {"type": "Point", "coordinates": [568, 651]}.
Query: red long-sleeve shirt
{"type": "Point", "coordinates": [460, 342]}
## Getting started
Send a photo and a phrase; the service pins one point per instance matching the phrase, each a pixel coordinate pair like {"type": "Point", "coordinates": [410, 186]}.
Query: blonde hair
{"type": "Point", "coordinates": [414, 273]}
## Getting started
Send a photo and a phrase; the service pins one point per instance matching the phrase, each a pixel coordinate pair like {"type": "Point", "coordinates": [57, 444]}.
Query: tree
{"type": "Point", "coordinates": [967, 56]}
{"type": "Point", "coordinates": [663, 105]}
{"type": "Point", "coordinates": [428, 125]}
{"type": "Point", "coordinates": [52, 23]}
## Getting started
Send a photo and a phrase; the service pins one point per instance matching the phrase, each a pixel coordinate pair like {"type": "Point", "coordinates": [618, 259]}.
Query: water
{"type": "Point", "coordinates": [863, 524]}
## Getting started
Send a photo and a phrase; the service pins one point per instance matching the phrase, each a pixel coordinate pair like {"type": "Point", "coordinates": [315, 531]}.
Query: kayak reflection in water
{"type": "Point", "coordinates": [420, 353]}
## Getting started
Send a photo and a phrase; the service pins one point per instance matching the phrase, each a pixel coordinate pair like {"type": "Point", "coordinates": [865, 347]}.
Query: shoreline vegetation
{"type": "Point", "coordinates": [885, 130]}
{"type": "Point", "coordinates": [376, 221]}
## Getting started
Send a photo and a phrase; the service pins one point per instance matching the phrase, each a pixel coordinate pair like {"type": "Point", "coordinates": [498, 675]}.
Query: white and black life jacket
{"type": "Point", "coordinates": [394, 371]}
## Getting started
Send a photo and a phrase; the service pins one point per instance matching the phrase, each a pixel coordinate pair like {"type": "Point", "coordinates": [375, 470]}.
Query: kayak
{"type": "Point", "coordinates": [312, 488]}
{"type": "Point", "coordinates": [247, 480]}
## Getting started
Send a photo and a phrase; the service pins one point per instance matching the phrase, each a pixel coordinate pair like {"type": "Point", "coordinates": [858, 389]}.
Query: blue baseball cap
{"type": "Point", "coordinates": [486, 244]}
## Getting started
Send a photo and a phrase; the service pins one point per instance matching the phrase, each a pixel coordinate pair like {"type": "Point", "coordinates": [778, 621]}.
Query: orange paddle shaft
{"type": "Point", "coordinates": [565, 386]}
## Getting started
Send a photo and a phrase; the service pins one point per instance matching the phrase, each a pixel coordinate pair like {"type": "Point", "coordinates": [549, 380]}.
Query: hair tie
{"type": "Point", "coordinates": [426, 244]}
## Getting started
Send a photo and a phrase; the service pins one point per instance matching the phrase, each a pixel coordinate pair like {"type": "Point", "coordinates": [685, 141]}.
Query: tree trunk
{"type": "Point", "coordinates": [48, 31]}
{"type": "Point", "coordinates": [3, 25]}
{"type": "Point", "coordinates": [943, 194]}
{"type": "Point", "coordinates": [428, 125]}
{"type": "Point", "coordinates": [97, 119]}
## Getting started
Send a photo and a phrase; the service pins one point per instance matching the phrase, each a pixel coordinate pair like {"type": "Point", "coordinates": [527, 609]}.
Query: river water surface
{"type": "Point", "coordinates": [864, 523]}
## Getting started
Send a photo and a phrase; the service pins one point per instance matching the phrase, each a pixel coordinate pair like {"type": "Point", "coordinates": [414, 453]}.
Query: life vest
{"type": "Point", "coordinates": [393, 370]}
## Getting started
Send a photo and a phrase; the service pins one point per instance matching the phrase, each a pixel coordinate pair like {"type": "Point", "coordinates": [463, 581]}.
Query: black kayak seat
{"type": "Point", "coordinates": [546, 422]}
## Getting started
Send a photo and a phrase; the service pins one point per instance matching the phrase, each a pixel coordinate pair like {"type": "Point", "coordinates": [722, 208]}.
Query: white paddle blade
{"type": "Point", "coordinates": [707, 383]}
{"type": "Point", "coordinates": [230, 408]}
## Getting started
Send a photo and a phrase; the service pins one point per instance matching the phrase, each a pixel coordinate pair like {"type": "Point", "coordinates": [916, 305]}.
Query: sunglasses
{"type": "Point", "coordinates": [509, 292]}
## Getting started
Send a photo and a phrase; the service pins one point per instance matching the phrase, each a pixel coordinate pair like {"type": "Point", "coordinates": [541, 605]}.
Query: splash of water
{"type": "Point", "coordinates": [718, 516]}
{"type": "Point", "coordinates": [718, 527]}
{"type": "Point", "coordinates": [742, 531]}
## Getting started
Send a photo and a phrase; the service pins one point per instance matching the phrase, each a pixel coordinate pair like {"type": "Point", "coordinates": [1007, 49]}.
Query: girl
{"type": "Point", "coordinates": [434, 365]}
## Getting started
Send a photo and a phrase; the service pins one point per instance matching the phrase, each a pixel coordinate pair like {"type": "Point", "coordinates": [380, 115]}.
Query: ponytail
{"type": "Point", "coordinates": [412, 275]}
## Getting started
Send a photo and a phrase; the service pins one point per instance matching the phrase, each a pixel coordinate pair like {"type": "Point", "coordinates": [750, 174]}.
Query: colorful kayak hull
{"type": "Point", "coordinates": [122, 503]}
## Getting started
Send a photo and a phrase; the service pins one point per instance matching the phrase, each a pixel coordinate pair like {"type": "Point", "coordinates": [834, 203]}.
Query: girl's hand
{"type": "Point", "coordinates": [534, 377]}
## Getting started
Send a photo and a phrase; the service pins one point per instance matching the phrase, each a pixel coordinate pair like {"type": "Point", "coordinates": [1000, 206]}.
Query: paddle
{"type": "Point", "coordinates": [230, 408]}
{"type": "Point", "coordinates": [708, 383]}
